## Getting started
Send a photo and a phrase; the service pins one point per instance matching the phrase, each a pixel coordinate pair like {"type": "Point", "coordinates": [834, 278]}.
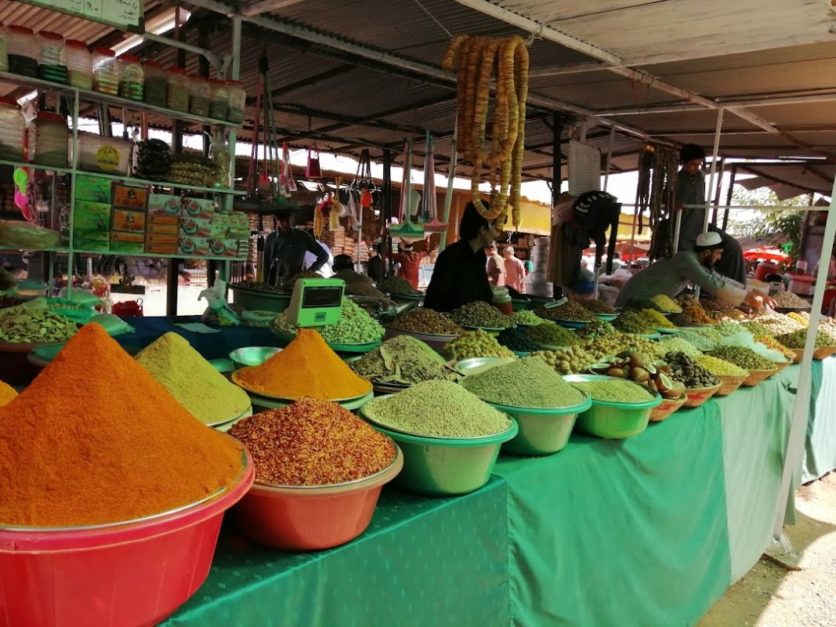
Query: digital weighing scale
{"type": "Point", "coordinates": [315, 302]}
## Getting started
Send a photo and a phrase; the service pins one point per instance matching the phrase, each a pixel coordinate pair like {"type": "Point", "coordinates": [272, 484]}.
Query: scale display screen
{"type": "Point", "coordinates": [316, 302]}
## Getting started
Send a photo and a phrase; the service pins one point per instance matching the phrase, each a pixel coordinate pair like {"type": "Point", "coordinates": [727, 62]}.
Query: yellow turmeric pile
{"type": "Point", "coordinates": [307, 368]}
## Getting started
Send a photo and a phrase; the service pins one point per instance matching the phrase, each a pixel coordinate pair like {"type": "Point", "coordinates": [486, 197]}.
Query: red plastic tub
{"type": "Point", "coordinates": [122, 574]}
{"type": "Point", "coordinates": [300, 518]}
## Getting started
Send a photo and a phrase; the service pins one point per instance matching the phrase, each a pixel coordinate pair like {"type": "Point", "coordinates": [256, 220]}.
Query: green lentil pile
{"type": "Point", "coordinates": [476, 344]}
{"type": "Point", "coordinates": [551, 334]}
{"type": "Point", "coordinates": [397, 285]}
{"type": "Point", "coordinates": [526, 317]}
{"type": "Point", "coordinates": [438, 409]}
{"type": "Point", "coordinates": [796, 339]}
{"type": "Point", "coordinates": [598, 306]}
{"type": "Point", "coordinates": [721, 367]}
{"type": "Point", "coordinates": [427, 321]}
{"type": "Point", "coordinates": [687, 371]}
{"type": "Point", "coordinates": [697, 340]}
{"type": "Point", "coordinates": [614, 391]}
{"type": "Point", "coordinates": [481, 314]}
{"type": "Point", "coordinates": [743, 357]}
{"type": "Point", "coordinates": [529, 382]}
{"type": "Point", "coordinates": [595, 330]}
{"type": "Point", "coordinates": [312, 442]}
{"type": "Point", "coordinates": [631, 321]}
{"type": "Point", "coordinates": [571, 360]}
{"type": "Point", "coordinates": [21, 326]}
{"type": "Point", "coordinates": [571, 311]}
{"type": "Point", "coordinates": [518, 340]}
{"type": "Point", "coordinates": [403, 360]}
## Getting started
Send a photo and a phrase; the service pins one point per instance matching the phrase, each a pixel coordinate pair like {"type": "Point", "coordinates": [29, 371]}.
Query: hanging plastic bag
{"type": "Point", "coordinates": [313, 169]}
{"type": "Point", "coordinates": [351, 210]}
{"type": "Point", "coordinates": [286, 180]}
{"type": "Point", "coordinates": [218, 312]}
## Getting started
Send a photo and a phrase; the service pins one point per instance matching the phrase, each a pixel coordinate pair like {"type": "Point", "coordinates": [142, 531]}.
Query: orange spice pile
{"type": "Point", "coordinates": [307, 367]}
{"type": "Point", "coordinates": [95, 439]}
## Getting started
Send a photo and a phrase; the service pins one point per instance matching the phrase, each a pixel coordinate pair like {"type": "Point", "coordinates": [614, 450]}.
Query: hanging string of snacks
{"type": "Point", "coordinates": [480, 61]}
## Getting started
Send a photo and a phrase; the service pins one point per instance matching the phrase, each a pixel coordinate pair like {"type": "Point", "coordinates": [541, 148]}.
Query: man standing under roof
{"type": "Point", "coordinates": [690, 191]}
{"type": "Point", "coordinates": [460, 275]}
{"type": "Point", "coordinates": [284, 251]}
{"type": "Point", "coordinates": [671, 276]}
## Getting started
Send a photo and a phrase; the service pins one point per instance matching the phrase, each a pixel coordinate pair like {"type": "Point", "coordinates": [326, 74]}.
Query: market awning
{"type": "Point", "coordinates": [766, 254]}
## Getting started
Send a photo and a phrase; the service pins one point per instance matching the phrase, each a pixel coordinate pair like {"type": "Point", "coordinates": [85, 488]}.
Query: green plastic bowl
{"type": "Point", "coordinates": [606, 317]}
{"type": "Point", "coordinates": [616, 421]}
{"type": "Point", "coordinates": [543, 431]}
{"type": "Point", "coordinates": [447, 466]}
{"type": "Point", "coordinates": [253, 355]}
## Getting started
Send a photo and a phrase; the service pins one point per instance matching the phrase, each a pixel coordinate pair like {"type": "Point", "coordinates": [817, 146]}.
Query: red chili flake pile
{"type": "Point", "coordinates": [312, 442]}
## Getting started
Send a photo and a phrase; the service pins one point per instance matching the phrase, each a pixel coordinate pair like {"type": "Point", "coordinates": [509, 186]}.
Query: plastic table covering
{"type": "Point", "coordinates": [820, 452]}
{"type": "Point", "coordinates": [646, 531]}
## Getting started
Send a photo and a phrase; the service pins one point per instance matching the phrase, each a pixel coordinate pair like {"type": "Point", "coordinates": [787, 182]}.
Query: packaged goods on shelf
{"type": "Point", "coordinates": [103, 154]}
{"type": "Point", "coordinates": [12, 130]}
{"type": "Point", "coordinates": [48, 140]}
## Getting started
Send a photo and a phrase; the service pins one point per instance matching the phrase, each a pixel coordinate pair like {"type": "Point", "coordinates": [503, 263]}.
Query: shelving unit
{"type": "Point", "coordinates": [79, 99]}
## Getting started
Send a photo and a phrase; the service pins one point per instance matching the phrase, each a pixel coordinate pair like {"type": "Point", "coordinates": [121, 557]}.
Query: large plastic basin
{"type": "Point", "coordinates": [543, 431]}
{"type": "Point", "coordinates": [446, 466]}
{"type": "Point", "coordinates": [133, 573]}
{"type": "Point", "coordinates": [312, 518]}
{"type": "Point", "coordinates": [608, 419]}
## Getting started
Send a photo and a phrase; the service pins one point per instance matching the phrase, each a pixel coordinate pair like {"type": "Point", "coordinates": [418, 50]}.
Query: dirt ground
{"type": "Point", "coordinates": [771, 596]}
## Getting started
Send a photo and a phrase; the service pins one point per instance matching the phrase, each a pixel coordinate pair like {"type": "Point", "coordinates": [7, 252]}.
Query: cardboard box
{"type": "Point", "coordinates": [198, 208]}
{"type": "Point", "coordinates": [195, 227]}
{"type": "Point", "coordinates": [128, 221]}
{"type": "Point", "coordinates": [91, 217]}
{"type": "Point", "coordinates": [171, 240]}
{"type": "Point", "coordinates": [92, 188]}
{"type": "Point", "coordinates": [194, 246]}
{"type": "Point", "coordinates": [130, 197]}
{"type": "Point", "coordinates": [127, 242]}
{"type": "Point", "coordinates": [83, 243]}
{"type": "Point", "coordinates": [165, 204]}
{"type": "Point", "coordinates": [163, 229]}
{"type": "Point", "coordinates": [161, 249]}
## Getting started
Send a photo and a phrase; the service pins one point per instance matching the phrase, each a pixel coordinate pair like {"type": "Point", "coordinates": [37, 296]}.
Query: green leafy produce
{"type": "Point", "coordinates": [481, 314]}
{"type": "Point", "coordinates": [439, 409]}
{"type": "Point", "coordinates": [404, 360]}
{"type": "Point", "coordinates": [614, 391]}
{"type": "Point", "coordinates": [529, 382]}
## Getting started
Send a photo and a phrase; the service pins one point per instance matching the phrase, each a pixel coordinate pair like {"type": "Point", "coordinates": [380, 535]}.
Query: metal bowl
{"type": "Point", "coordinates": [608, 419]}
{"type": "Point", "coordinates": [253, 355]}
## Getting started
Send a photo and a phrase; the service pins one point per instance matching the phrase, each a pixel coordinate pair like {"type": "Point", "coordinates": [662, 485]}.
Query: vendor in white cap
{"type": "Point", "coordinates": [671, 276]}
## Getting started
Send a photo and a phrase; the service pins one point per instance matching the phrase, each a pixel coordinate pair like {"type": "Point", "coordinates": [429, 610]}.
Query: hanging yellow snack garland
{"type": "Point", "coordinates": [478, 61]}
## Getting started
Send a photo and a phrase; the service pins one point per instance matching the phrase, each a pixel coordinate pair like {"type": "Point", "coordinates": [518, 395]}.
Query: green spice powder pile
{"type": "Point", "coordinates": [618, 391]}
{"type": "Point", "coordinates": [530, 382]}
{"type": "Point", "coordinates": [439, 409]}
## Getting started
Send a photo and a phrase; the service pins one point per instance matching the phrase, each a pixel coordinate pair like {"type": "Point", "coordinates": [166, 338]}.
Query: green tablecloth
{"type": "Point", "coordinates": [421, 562]}
{"type": "Point", "coordinates": [647, 531]}
{"type": "Point", "coordinates": [820, 453]}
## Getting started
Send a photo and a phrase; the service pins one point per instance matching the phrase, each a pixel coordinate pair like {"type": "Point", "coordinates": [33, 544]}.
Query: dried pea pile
{"type": "Point", "coordinates": [631, 321]}
{"type": "Point", "coordinates": [476, 344]}
{"type": "Point", "coordinates": [529, 382]}
{"type": "Point", "coordinates": [439, 409]}
{"type": "Point", "coordinates": [481, 314]}
{"type": "Point", "coordinates": [312, 442]}
{"type": "Point", "coordinates": [568, 361]}
{"type": "Point", "coordinates": [427, 321]}
{"type": "Point", "coordinates": [743, 357]}
{"type": "Point", "coordinates": [614, 391]}
{"type": "Point", "coordinates": [404, 360]}
{"type": "Point", "coordinates": [721, 367]}
{"type": "Point", "coordinates": [665, 303]}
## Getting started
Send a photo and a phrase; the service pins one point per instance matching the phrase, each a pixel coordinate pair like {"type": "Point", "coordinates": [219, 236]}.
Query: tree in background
{"type": "Point", "coordinates": [777, 226]}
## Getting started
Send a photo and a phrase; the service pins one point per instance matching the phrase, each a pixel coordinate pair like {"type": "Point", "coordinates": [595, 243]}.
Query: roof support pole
{"type": "Point", "coordinates": [729, 195]}
{"type": "Point", "coordinates": [718, 129]}
{"type": "Point", "coordinates": [781, 547]}
{"type": "Point", "coordinates": [557, 156]}
{"type": "Point", "coordinates": [609, 158]}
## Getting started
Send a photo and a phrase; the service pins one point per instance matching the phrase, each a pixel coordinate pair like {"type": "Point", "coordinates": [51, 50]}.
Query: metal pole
{"type": "Point", "coordinates": [801, 406]}
{"type": "Point", "coordinates": [717, 130]}
{"type": "Point", "coordinates": [729, 195]}
{"type": "Point", "coordinates": [557, 156]}
{"type": "Point", "coordinates": [609, 157]}
{"type": "Point", "coordinates": [386, 216]}
{"type": "Point", "coordinates": [714, 215]}
{"type": "Point", "coordinates": [173, 274]}
{"type": "Point", "coordinates": [448, 197]}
